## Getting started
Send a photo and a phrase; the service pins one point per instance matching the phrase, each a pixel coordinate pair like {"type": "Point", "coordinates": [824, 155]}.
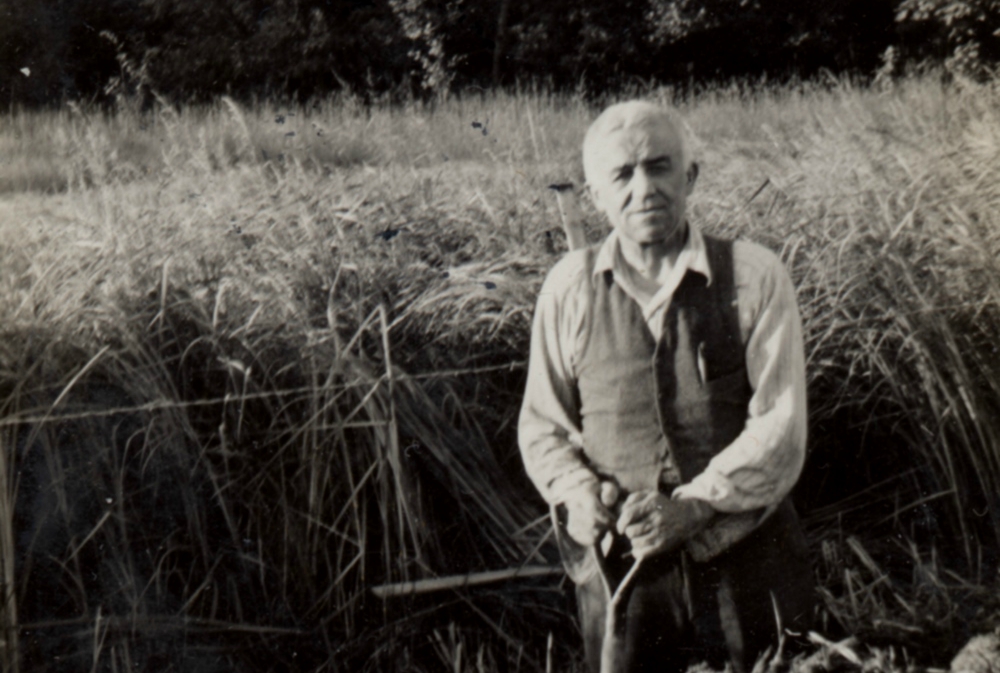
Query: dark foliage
{"type": "Point", "coordinates": [780, 38]}
{"type": "Point", "coordinates": [59, 43]}
{"type": "Point", "coordinates": [288, 48]}
{"type": "Point", "coordinates": [299, 49]}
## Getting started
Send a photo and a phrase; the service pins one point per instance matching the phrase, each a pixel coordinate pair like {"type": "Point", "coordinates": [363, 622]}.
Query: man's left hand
{"type": "Point", "coordinates": [656, 524]}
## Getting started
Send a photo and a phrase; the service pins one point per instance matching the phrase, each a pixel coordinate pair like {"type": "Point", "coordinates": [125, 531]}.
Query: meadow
{"type": "Point", "coordinates": [258, 359]}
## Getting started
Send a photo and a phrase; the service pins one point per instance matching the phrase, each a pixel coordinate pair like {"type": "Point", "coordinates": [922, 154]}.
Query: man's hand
{"type": "Point", "coordinates": [656, 524]}
{"type": "Point", "coordinates": [588, 512]}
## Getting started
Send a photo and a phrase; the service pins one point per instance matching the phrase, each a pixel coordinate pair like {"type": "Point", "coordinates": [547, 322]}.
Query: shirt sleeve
{"type": "Point", "coordinates": [549, 432]}
{"type": "Point", "coordinates": [760, 467]}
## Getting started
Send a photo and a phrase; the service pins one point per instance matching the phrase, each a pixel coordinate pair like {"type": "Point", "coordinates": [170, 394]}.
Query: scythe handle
{"type": "Point", "coordinates": [616, 610]}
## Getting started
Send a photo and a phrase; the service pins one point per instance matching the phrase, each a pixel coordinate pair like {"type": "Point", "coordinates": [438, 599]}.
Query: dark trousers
{"type": "Point", "coordinates": [681, 612]}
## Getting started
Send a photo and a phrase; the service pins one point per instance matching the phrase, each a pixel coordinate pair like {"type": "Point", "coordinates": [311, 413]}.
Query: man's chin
{"type": "Point", "coordinates": [657, 234]}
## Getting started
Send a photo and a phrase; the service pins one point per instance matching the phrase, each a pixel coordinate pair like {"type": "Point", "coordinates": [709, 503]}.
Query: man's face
{"type": "Point", "coordinates": [640, 182]}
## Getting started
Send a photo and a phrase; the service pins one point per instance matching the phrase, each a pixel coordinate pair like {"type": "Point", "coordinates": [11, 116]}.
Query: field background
{"type": "Point", "coordinates": [256, 359]}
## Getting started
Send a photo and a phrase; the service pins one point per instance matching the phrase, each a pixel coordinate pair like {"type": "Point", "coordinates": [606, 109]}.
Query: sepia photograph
{"type": "Point", "coordinates": [495, 336]}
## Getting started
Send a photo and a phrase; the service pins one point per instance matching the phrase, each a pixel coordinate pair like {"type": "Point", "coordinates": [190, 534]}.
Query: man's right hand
{"type": "Point", "coordinates": [588, 513]}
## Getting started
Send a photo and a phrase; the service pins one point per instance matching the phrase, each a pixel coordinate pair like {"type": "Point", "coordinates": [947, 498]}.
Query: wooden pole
{"type": "Point", "coordinates": [572, 217]}
{"type": "Point", "coordinates": [461, 581]}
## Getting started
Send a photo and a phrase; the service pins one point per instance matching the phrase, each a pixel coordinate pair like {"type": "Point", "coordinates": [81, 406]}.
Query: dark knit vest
{"type": "Point", "coordinates": [654, 413]}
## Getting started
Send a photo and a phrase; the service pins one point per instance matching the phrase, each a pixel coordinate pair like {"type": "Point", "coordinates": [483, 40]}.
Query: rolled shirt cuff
{"type": "Point", "coordinates": [569, 485]}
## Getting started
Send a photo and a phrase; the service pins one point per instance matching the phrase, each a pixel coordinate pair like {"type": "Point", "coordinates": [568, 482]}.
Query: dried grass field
{"type": "Point", "coordinates": [256, 360]}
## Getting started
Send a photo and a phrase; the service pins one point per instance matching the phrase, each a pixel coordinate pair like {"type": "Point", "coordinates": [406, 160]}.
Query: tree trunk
{"type": "Point", "coordinates": [500, 41]}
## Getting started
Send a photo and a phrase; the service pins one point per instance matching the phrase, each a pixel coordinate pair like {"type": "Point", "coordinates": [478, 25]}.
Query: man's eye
{"type": "Point", "coordinates": [623, 175]}
{"type": "Point", "coordinates": [659, 168]}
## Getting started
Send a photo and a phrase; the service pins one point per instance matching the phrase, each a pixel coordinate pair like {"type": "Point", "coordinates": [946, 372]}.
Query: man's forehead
{"type": "Point", "coordinates": [635, 129]}
{"type": "Point", "coordinates": [635, 144]}
{"type": "Point", "coordinates": [631, 113]}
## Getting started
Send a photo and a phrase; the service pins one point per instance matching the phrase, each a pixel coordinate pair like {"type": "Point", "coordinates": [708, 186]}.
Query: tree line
{"type": "Point", "coordinates": [52, 51]}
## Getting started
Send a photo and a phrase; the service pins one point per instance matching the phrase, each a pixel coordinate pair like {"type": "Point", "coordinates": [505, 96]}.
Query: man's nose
{"type": "Point", "coordinates": [643, 186]}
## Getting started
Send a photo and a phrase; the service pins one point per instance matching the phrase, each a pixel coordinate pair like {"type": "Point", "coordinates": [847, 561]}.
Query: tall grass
{"type": "Point", "coordinates": [255, 361]}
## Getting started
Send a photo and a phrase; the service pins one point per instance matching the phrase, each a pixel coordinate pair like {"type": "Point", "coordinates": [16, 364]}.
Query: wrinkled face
{"type": "Point", "coordinates": [638, 179]}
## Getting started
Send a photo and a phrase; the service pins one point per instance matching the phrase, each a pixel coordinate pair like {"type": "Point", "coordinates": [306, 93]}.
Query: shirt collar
{"type": "Point", "coordinates": [693, 254]}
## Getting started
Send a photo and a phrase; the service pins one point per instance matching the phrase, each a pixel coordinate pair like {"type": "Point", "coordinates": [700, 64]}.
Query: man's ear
{"type": "Point", "coordinates": [692, 176]}
{"type": "Point", "coordinates": [593, 196]}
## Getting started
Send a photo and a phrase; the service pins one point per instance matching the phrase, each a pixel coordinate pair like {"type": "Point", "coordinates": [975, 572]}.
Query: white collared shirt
{"type": "Point", "coordinates": [691, 257]}
{"type": "Point", "coordinates": [761, 465]}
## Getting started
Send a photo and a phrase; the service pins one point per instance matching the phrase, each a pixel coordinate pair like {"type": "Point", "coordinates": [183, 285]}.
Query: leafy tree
{"type": "Point", "coordinates": [91, 59]}
{"type": "Point", "coordinates": [708, 39]}
{"type": "Point", "coordinates": [30, 51]}
{"type": "Point", "coordinates": [963, 34]}
{"type": "Point", "coordinates": [285, 47]}
{"type": "Point", "coordinates": [198, 49]}
{"type": "Point", "coordinates": [454, 42]}
{"type": "Point", "coordinates": [604, 44]}
{"type": "Point", "coordinates": [58, 42]}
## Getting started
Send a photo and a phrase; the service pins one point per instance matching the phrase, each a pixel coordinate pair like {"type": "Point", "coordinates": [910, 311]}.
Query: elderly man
{"type": "Point", "coordinates": [665, 415]}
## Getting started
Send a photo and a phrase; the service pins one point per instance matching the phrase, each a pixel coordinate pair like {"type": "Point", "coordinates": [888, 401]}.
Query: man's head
{"type": "Point", "coordinates": [639, 171]}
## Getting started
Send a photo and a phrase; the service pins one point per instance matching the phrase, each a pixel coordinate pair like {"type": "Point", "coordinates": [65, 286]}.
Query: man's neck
{"type": "Point", "coordinates": [654, 261]}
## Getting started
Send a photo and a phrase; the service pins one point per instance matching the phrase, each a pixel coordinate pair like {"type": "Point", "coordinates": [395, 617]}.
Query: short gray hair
{"type": "Point", "coordinates": [632, 114]}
